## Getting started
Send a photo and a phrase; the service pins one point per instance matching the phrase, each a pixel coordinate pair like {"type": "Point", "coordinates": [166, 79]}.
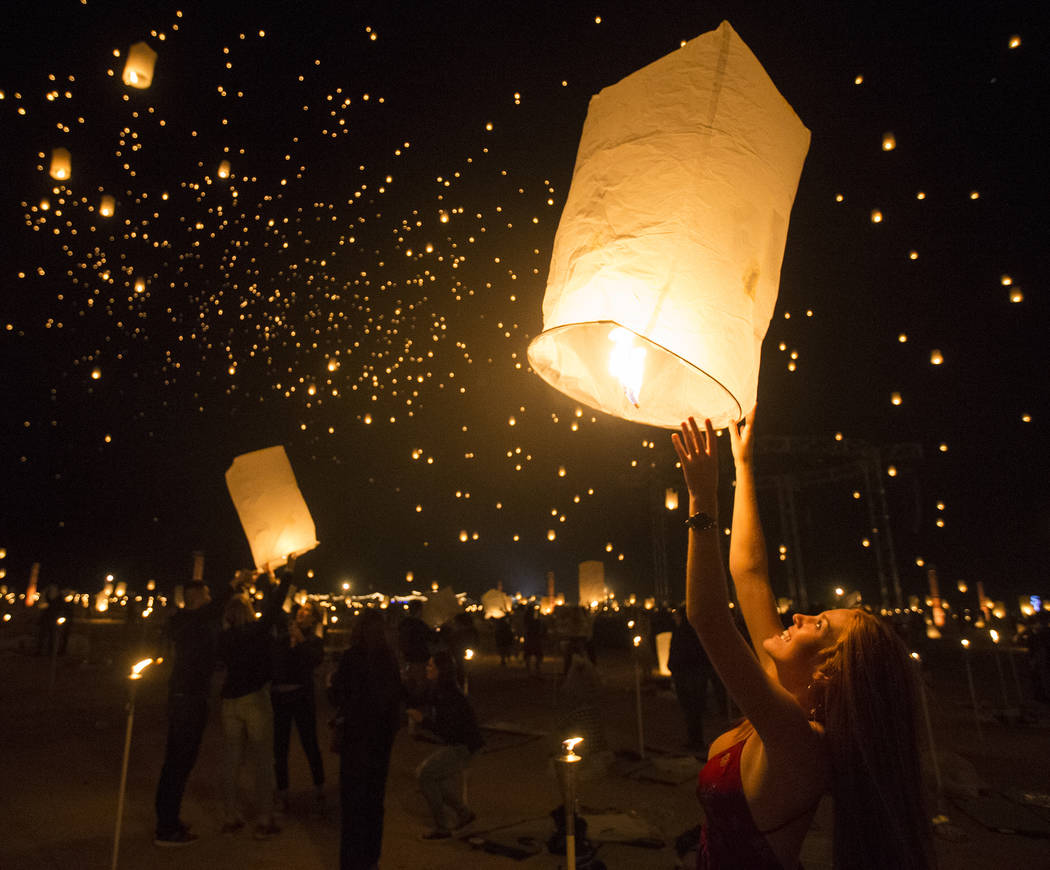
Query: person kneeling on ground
{"type": "Point", "coordinates": [448, 714]}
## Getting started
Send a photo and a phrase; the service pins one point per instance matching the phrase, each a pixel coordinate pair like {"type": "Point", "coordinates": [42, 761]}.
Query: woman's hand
{"type": "Point", "coordinates": [698, 453]}
{"type": "Point", "coordinates": [740, 436]}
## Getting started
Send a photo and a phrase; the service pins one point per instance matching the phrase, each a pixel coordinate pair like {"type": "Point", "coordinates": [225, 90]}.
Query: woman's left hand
{"type": "Point", "coordinates": [698, 453]}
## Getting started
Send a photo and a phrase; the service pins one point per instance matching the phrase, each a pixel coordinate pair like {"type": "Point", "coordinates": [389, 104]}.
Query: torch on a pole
{"type": "Point", "coordinates": [137, 670]}
{"type": "Point", "coordinates": [565, 765]}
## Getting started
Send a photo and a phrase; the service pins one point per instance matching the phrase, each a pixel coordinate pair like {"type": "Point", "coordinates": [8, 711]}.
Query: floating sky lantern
{"type": "Point", "coordinates": [138, 68]}
{"type": "Point", "coordinates": [106, 206]}
{"type": "Point", "coordinates": [666, 262]}
{"type": "Point", "coordinates": [671, 499]}
{"type": "Point", "coordinates": [271, 508]}
{"type": "Point", "coordinates": [592, 581]}
{"type": "Point", "coordinates": [889, 141]}
{"type": "Point", "coordinates": [61, 164]}
{"type": "Point", "coordinates": [224, 169]}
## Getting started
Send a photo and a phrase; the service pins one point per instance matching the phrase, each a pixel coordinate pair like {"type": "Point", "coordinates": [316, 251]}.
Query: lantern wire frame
{"type": "Point", "coordinates": [671, 388]}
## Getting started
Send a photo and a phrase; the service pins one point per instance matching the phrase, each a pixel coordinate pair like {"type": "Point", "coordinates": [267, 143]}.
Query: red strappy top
{"type": "Point", "coordinates": [730, 838]}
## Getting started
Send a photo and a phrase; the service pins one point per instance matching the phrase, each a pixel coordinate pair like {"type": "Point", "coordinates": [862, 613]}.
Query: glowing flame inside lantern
{"type": "Point", "coordinates": [627, 363]}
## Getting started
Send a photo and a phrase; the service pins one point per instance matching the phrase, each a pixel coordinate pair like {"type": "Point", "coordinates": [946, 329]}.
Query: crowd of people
{"type": "Point", "coordinates": [269, 652]}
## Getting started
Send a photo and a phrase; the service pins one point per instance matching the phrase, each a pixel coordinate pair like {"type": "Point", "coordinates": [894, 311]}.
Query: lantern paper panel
{"type": "Point", "coordinates": [271, 508]}
{"type": "Point", "coordinates": [496, 604]}
{"type": "Point", "coordinates": [440, 607]}
{"type": "Point", "coordinates": [138, 69]}
{"type": "Point", "coordinates": [663, 652]}
{"type": "Point", "coordinates": [666, 263]}
{"type": "Point", "coordinates": [592, 581]}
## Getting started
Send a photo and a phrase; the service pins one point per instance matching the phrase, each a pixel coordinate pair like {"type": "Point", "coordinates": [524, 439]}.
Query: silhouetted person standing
{"type": "Point", "coordinates": [366, 690]}
{"type": "Point", "coordinates": [194, 632]}
{"type": "Point", "coordinates": [297, 653]}
{"type": "Point", "coordinates": [691, 671]}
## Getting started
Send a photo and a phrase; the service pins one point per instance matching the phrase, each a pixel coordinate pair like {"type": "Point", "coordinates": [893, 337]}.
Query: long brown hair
{"type": "Point", "coordinates": [870, 707]}
{"type": "Point", "coordinates": [368, 632]}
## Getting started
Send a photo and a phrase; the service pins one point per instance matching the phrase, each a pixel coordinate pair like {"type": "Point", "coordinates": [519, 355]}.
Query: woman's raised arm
{"type": "Point", "coordinates": [773, 711]}
{"type": "Point", "coordinates": [748, 559]}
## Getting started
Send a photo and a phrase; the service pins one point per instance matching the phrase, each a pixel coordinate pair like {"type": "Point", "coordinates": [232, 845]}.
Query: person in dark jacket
{"type": "Point", "coordinates": [366, 691]}
{"type": "Point", "coordinates": [504, 637]}
{"type": "Point", "coordinates": [532, 634]}
{"type": "Point", "coordinates": [194, 633]}
{"type": "Point", "coordinates": [449, 716]}
{"type": "Point", "coordinates": [691, 672]}
{"type": "Point", "coordinates": [247, 713]}
{"type": "Point", "coordinates": [415, 642]}
{"type": "Point", "coordinates": [298, 650]}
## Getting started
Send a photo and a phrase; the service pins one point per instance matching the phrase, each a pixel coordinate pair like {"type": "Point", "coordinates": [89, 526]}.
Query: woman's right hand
{"type": "Point", "coordinates": [740, 436]}
{"type": "Point", "coordinates": [698, 454]}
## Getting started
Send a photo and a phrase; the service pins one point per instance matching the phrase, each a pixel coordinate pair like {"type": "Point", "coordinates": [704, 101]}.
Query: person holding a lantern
{"type": "Point", "coordinates": [830, 702]}
{"type": "Point", "coordinates": [247, 711]}
{"type": "Point", "coordinates": [298, 650]}
{"type": "Point", "coordinates": [193, 632]}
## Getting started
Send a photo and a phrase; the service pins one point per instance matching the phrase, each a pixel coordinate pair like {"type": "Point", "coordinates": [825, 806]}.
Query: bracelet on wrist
{"type": "Point", "coordinates": [701, 522]}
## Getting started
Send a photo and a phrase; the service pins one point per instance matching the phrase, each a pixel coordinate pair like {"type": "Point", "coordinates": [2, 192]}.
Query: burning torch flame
{"type": "Point", "coordinates": [569, 746]}
{"type": "Point", "coordinates": [139, 667]}
{"type": "Point", "coordinates": [627, 363]}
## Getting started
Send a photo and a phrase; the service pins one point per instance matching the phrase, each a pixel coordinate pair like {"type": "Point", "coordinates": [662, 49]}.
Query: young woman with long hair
{"type": "Point", "coordinates": [829, 702]}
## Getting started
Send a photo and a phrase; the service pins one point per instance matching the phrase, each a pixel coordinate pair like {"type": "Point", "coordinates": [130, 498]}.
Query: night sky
{"type": "Point", "coordinates": [363, 286]}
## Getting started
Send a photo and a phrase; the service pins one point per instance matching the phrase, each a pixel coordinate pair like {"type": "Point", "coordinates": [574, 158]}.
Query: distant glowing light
{"type": "Point", "coordinates": [876, 216]}
{"type": "Point", "coordinates": [936, 358]}
{"type": "Point", "coordinates": [1015, 42]}
{"type": "Point", "coordinates": [889, 142]}
{"type": "Point", "coordinates": [895, 398]}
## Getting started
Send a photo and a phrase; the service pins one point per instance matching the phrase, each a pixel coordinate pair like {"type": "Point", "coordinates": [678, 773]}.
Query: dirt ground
{"type": "Point", "coordinates": [62, 751]}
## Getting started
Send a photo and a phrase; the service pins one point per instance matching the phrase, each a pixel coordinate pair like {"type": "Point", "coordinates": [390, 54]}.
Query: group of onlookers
{"type": "Point", "coordinates": [270, 656]}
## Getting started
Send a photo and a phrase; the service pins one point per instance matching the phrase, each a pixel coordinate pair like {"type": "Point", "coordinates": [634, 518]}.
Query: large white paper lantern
{"type": "Point", "coordinates": [666, 262]}
{"type": "Point", "coordinates": [274, 515]}
{"type": "Point", "coordinates": [138, 68]}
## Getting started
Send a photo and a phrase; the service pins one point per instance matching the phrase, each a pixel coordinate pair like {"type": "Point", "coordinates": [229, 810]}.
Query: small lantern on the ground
{"type": "Point", "coordinates": [666, 263]}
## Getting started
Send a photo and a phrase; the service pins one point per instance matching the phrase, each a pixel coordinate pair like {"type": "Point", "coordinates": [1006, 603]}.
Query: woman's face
{"type": "Point", "coordinates": [432, 670]}
{"type": "Point", "coordinates": [305, 617]}
{"type": "Point", "coordinates": [802, 643]}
